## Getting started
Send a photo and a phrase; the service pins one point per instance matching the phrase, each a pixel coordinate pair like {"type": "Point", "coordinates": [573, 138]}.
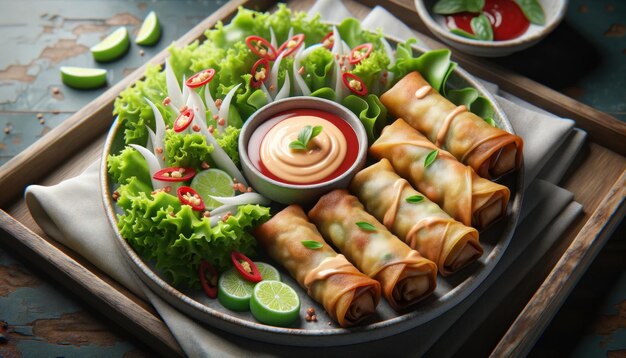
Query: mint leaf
{"type": "Point", "coordinates": [305, 134]}
{"type": "Point", "coordinates": [533, 11]}
{"type": "Point", "coordinates": [297, 145]}
{"type": "Point", "coordinates": [366, 226]}
{"type": "Point", "coordinates": [463, 34]}
{"type": "Point", "coordinates": [316, 130]}
{"type": "Point", "coordinates": [414, 199]}
{"type": "Point", "coordinates": [430, 158]}
{"type": "Point", "coordinates": [304, 137]}
{"type": "Point", "coordinates": [448, 7]}
{"type": "Point", "coordinates": [312, 244]}
{"type": "Point", "coordinates": [482, 28]}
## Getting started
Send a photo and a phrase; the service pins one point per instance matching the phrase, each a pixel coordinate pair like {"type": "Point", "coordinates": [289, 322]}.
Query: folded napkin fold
{"type": "Point", "coordinates": [83, 227]}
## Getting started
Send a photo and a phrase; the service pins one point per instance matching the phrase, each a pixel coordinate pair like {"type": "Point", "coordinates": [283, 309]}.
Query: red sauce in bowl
{"type": "Point", "coordinates": [506, 17]}
{"type": "Point", "coordinates": [258, 136]}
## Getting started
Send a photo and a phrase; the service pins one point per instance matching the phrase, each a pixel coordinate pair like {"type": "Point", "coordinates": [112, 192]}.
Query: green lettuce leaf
{"type": "Point", "coordinates": [129, 163]}
{"type": "Point", "coordinates": [229, 141]}
{"type": "Point", "coordinates": [371, 112]}
{"type": "Point", "coordinates": [434, 65]}
{"type": "Point", "coordinates": [186, 150]}
{"type": "Point", "coordinates": [316, 68]}
{"type": "Point", "coordinates": [371, 68]}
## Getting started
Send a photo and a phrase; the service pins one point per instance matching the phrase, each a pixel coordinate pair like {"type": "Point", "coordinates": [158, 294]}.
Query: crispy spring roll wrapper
{"type": "Point", "coordinates": [405, 276]}
{"type": "Point", "coordinates": [423, 225]}
{"type": "Point", "coordinates": [347, 294]}
{"type": "Point", "coordinates": [456, 188]}
{"type": "Point", "coordinates": [490, 151]}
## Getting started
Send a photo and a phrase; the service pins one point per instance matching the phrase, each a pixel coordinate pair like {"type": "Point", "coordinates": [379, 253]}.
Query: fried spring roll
{"type": "Point", "coordinates": [347, 295]}
{"type": "Point", "coordinates": [421, 224]}
{"type": "Point", "coordinates": [490, 151]}
{"type": "Point", "coordinates": [468, 198]}
{"type": "Point", "coordinates": [405, 276]}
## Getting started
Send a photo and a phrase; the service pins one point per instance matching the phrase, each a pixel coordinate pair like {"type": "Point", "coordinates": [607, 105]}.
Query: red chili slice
{"type": "Point", "coordinates": [209, 284]}
{"type": "Point", "coordinates": [357, 54]}
{"type": "Point", "coordinates": [188, 196]}
{"type": "Point", "coordinates": [264, 64]}
{"type": "Point", "coordinates": [175, 174]}
{"type": "Point", "coordinates": [291, 45]}
{"type": "Point", "coordinates": [183, 120]}
{"type": "Point", "coordinates": [245, 266]}
{"type": "Point", "coordinates": [354, 83]}
{"type": "Point", "coordinates": [253, 43]}
{"type": "Point", "coordinates": [328, 41]}
{"type": "Point", "coordinates": [201, 78]}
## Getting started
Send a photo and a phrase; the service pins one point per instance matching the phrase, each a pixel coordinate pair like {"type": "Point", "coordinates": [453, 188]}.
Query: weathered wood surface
{"type": "Point", "coordinates": [588, 186]}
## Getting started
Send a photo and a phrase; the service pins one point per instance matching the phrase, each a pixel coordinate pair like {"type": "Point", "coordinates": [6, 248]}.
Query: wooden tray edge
{"type": "Point", "coordinates": [547, 300]}
{"type": "Point", "coordinates": [85, 284]}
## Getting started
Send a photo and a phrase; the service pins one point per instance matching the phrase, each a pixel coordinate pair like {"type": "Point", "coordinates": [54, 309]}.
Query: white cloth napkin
{"type": "Point", "coordinates": [547, 211]}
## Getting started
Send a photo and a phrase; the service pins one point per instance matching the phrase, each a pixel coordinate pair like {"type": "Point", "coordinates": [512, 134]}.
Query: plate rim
{"type": "Point", "coordinates": [335, 336]}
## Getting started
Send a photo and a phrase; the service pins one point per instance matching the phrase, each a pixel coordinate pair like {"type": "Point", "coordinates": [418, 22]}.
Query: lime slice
{"type": "Point", "coordinates": [274, 303]}
{"type": "Point", "coordinates": [268, 272]}
{"type": "Point", "coordinates": [233, 291]}
{"type": "Point", "coordinates": [214, 182]}
{"type": "Point", "coordinates": [112, 47]}
{"type": "Point", "coordinates": [150, 30]}
{"type": "Point", "coordinates": [83, 78]}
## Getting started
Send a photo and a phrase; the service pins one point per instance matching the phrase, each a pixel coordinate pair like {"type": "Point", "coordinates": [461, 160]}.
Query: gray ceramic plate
{"type": "Point", "coordinates": [450, 290]}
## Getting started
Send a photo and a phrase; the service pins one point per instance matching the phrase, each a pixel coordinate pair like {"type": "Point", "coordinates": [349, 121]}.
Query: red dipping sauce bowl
{"type": "Point", "coordinates": [286, 175]}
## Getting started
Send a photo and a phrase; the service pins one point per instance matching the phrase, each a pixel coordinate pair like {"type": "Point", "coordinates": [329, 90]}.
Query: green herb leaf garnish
{"type": "Point", "coordinates": [482, 28]}
{"type": "Point", "coordinates": [430, 158]}
{"type": "Point", "coordinates": [304, 137]}
{"type": "Point", "coordinates": [414, 199]}
{"type": "Point", "coordinates": [463, 33]}
{"type": "Point", "coordinates": [366, 226]}
{"type": "Point", "coordinates": [533, 11]}
{"type": "Point", "coordinates": [312, 244]}
{"type": "Point", "coordinates": [448, 7]}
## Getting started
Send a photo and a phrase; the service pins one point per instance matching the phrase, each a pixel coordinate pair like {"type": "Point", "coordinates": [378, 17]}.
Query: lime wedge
{"type": "Point", "coordinates": [83, 78]}
{"type": "Point", "coordinates": [233, 291]}
{"type": "Point", "coordinates": [150, 30]}
{"type": "Point", "coordinates": [112, 47]}
{"type": "Point", "coordinates": [274, 303]}
{"type": "Point", "coordinates": [214, 182]}
{"type": "Point", "coordinates": [268, 272]}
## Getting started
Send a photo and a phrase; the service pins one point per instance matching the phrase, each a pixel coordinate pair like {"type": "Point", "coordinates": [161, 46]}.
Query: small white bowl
{"type": "Point", "coordinates": [302, 194]}
{"type": "Point", "coordinates": [554, 10]}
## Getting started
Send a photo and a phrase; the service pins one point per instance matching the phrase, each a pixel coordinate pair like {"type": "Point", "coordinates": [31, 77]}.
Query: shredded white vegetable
{"type": "Point", "coordinates": [151, 139]}
{"type": "Point", "coordinates": [300, 87]}
{"type": "Point", "coordinates": [242, 199]}
{"type": "Point", "coordinates": [392, 58]}
{"type": "Point", "coordinates": [173, 89]}
{"type": "Point", "coordinates": [210, 103]}
{"type": "Point", "coordinates": [225, 108]}
{"type": "Point", "coordinates": [153, 165]}
{"type": "Point", "coordinates": [195, 103]}
{"type": "Point", "coordinates": [284, 91]}
{"type": "Point", "coordinates": [273, 39]}
{"type": "Point", "coordinates": [222, 159]}
{"type": "Point", "coordinates": [159, 136]}
{"type": "Point", "coordinates": [274, 76]}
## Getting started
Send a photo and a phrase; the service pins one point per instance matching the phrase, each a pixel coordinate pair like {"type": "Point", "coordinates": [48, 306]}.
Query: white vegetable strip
{"type": "Point", "coordinates": [173, 89]}
{"type": "Point", "coordinates": [195, 103]}
{"type": "Point", "coordinates": [242, 199]}
{"type": "Point", "coordinates": [151, 139]}
{"type": "Point", "coordinates": [284, 91]}
{"type": "Point", "coordinates": [153, 165]}
{"type": "Point", "coordinates": [274, 75]}
{"type": "Point", "coordinates": [225, 108]}
{"type": "Point", "coordinates": [266, 92]}
{"type": "Point", "coordinates": [223, 161]}
{"type": "Point", "coordinates": [159, 124]}
{"type": "Point", "coordinates": [392, 58]}
{"type": "Point", "coordinates": [215, 214]}
{"type": "Point", "coordinates": [273, 39]}
{"type": "Point", "coordinates": [185, 94]}
{"type": "Point", "coordinates": [300, 87]}
{"type": "Point", "coordinates": [337, 46]}
{"type": "Point", "coordinates": [210, 103]}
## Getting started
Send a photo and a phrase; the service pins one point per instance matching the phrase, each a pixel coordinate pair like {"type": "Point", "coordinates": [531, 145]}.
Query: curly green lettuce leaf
{"type": "Point", "coordinates": [251, 99]}
{"type": "Point", "coordinates": [317, 66]}
{"type": "Point", "coordinates": [434, 65]}
{"type": "Point", "coordinates": [470, 98]}
{"type": "Point", "coordinates": [127, 164]}
{"type": "Point", "coordinates": [186, 149]}
{"type": "Point", "coordinates": [371, 112]}
{"type": "Point", "coordinates": [133, 111]}
{"type": "Point", "coordinates": [229, 141]}
{"type": "Point", "coordinates": [326, 93]}
{"type": "Point", "coordinates": [351, 32]}
{"type": "Point", "coordinates": [370, 69]}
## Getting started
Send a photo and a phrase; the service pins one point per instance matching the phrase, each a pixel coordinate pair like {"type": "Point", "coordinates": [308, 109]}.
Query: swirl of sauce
{"type": "Point", "coordinates": [325, 154]}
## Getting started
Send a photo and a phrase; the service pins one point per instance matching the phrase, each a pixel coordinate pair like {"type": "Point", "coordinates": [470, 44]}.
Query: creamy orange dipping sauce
{"type": "Point", "coordinates": [327, 156]}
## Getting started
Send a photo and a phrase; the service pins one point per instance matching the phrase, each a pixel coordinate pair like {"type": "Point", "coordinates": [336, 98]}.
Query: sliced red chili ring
{"type": "Point", "coordinates": [209, 284]}
{"type": "Point", "coordinates": [328, 41]}
{"type": "Point", "coordinates": [201, 78]}
{"type": "Point", "coordinates": [188, 196]}
{"type": "Point", "coordinates": [357, 53]}
{"type": "Point", "coordinates": [175, 174]}
{"type": "Point", "coordinates": [183, 120]}
{"type": "Point", "coordinates": [245, 266]}
{"type": "Point", "coordinates": [291, 45]}
{"type": "Point", "coordinates": [262, 74]}
{"type": "Point", "coordinates": [354, 83]}
{"type": "Point", "coordinates": [253, 43]}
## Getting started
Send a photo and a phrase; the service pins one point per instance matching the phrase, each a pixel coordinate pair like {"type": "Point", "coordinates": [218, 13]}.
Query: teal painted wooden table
{"type": "Point", "coordinates": [585, 59]}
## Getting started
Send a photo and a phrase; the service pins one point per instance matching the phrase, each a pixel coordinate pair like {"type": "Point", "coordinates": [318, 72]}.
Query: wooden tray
{"type": "Point", "coordinates": [598, 180]}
